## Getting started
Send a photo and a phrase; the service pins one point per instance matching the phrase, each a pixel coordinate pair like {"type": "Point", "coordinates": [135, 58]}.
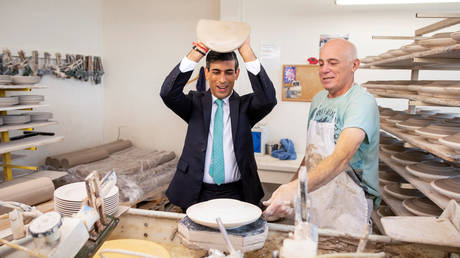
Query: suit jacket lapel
{"type": "Point", "coordinates": [234, 101]}
{"type": "Point", "coordinates": [206, 105]}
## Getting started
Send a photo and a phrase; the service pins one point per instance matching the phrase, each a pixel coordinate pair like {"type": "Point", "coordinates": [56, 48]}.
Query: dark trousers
{"type": "Point", "coordinates": [232, 190]}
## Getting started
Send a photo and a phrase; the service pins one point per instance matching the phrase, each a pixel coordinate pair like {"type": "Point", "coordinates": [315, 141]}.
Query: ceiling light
{"type": "Point", "coordinates": [372, 2]}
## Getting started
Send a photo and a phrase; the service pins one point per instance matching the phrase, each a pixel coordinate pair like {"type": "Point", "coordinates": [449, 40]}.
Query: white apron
{"type": "Point", "coordinates": [340, 204]}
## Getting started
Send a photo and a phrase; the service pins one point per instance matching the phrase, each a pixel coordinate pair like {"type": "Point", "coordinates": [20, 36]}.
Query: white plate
{"type": "Point", "coordinates": [233, 213]}
{"type": "Point", "coordinates": [77, 192]}
{"type": "Point", "coordinates": [222, 36]}
{"type": "Point", "coordinates": [18, 79]}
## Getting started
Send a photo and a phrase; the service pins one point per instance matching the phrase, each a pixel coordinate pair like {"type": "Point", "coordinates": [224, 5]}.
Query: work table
{"type": "Point", "coordinates": [276, 171]}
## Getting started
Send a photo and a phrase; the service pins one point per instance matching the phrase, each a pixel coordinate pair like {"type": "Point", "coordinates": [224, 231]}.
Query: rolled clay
{"type": "Point", "coordinates": [83, 157]}
{"type": "Point", "coordinates": [56, 161]}
{"type": "Point", "coordinates": [31, 192]}
{"type": "Point", "coordinates": [117, 146]}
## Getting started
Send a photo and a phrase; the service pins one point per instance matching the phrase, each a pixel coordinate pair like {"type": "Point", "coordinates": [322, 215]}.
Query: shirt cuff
{"type": "Point", "coordinates": [187, 65]}
{"type": "Point", "coordinates": [253, 66]}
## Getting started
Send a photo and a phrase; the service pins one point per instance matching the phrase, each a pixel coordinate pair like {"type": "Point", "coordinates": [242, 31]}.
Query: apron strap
{"type": "Point", "coordinates": [356, 178]}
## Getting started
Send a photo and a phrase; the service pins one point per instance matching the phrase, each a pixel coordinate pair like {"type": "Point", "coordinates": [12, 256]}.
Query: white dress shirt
{"type": "Point", "coordinates": [232, 172]}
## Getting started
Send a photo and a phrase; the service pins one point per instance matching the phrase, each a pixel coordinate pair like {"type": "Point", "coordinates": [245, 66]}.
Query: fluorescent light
{"type": "Point", "coordinates": [371, 2]}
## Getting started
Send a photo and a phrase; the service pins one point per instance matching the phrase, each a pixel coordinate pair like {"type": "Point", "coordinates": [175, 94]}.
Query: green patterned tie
{"type": "Point", "coordinates": [217, 168]}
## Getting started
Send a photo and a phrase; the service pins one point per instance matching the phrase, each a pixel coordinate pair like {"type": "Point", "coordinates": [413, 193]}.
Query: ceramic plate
{"type": "Point", "coordinates": [432, 170]}
{"type": "Point", "coordinates": [422, 207]}
{"type": "Point", "coordinates": [444, 116]}
{"type": "Point", "coordinates": [442, 35]}
{"type": "Point", "coordinates": [437, 42]}
{"type": "Point", "coordinates": [393, 149]}
{"type": "Point", "coordinates": [386, 177]}
{"type": "Point", "coordinates": [455, 35]}
{"type": "Point", "coordinates": [397, 192]}
{"type": "Point", "coordinates": [384, 211]}
{"type": "Point", "coordinates": [368, 59]}
{"type": "Point", "coordinates": [397, 52]}
{"type": "Point", "coordinates": [233, 213]}
{"type": "Point", "coordinates": [413, 124]}
{"type": "Point", "coordinates": [449, 187]}
{"type": "Point", "coordinates": [76, 192]}
{"type": "Point", "coordinates": [414, 48]}
{"type": "Point", "coordinates": [442, 91]}
{"type": "Point", "coordinates": [222, 36]}
{"type": "Point", "coordinates": [434, 132]}
{"type": "Point", "coordinates": [17, 79]}
{"type": "Point", "coordinates": [452, 142]}
{"type": "Point", "coordinates": [411, 157]}
{"type": "Point", "coordinates": [401, 117]}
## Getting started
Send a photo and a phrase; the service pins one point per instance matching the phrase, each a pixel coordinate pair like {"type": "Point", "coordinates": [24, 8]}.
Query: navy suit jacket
{"type": "Point", "coordinates": [195, 109]}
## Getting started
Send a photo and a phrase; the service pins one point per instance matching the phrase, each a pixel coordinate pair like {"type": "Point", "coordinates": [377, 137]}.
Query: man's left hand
{"type": "Point", "coordinates": [246, 51]}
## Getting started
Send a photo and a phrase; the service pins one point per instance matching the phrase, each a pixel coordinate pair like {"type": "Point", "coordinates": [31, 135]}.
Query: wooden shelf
{"type": "Point", "coordinates": [5, 128]}
{"type": "Point", "coordinates": [394, 204]}
{"type": "Point", "coordinates": [418, 141]}
{"type": "Point", "coordinates": [424, 100]}
{"type": "Point", "coordinates": [21, 87]}
{"type": "Point", "coordinates": [25, 143]}
{"type": "Point", "coordinates": [422, 186]}
{"type": "Point", "coordinates": [19, 107]}
{"type": "Point", "coordinates": [440, 58]}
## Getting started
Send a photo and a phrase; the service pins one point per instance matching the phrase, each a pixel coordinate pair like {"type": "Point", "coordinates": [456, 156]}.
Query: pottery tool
{"type": "Point", "coordinates": [233, 252]}
{"type": "Point", "coordinates": [304, 242]}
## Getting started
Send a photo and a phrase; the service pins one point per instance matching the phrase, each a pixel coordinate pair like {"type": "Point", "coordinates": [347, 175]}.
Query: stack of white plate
{"type": "Point", "coordinates": [8, 101]}
{"type": "Point", "coordinates": [30, 99]}
{"type": "Point", "coordinates": [15, 119]}
{"type": "Point", "coordinates": [5, 79]}
{"type": "Point", "coordinates": [40, 116]}
{"type": "Point", "coordinates": [68, 199]}
{"type": "Point", "coordinates": [18, 79]}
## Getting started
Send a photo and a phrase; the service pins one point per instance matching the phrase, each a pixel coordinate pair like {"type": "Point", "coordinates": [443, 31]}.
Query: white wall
{"type": "Point", "coordinates": [143, 41]}
{"type": "Point", "coordinates": [295, 26]}
{"type": "Point", "coordinates": [64, 26]}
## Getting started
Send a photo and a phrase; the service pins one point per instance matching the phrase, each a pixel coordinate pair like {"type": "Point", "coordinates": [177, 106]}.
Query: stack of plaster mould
{"type": "Point", "coordinates": [245, 238]}
{"type": "Point", "coordinates": [141, 173]}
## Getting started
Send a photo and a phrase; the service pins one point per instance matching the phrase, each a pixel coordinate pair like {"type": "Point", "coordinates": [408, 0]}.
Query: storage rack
{"type": "Point", "coordinates": [440, 58]}
{"type": "Point", "coordinates": [30, 143]}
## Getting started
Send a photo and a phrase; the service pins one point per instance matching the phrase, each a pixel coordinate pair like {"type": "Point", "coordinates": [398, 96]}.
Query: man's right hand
{"type": "Point", "coordinates": [281, 202]}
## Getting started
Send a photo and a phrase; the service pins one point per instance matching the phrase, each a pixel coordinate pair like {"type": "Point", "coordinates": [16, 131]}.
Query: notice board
{"type": "Point", "coordinates": [300, 82]}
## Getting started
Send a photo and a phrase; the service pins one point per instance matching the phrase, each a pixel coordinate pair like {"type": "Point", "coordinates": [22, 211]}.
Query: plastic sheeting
{"type": "Point", "coordinates": [140, 172]}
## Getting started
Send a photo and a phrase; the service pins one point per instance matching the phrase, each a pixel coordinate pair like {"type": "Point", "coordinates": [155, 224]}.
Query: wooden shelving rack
{"type": "Point", "coordinates": [440, 58]}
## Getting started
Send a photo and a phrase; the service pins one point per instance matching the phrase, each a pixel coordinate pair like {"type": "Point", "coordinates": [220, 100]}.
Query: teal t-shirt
{"type": "Point", "coordinates": [356, 108]}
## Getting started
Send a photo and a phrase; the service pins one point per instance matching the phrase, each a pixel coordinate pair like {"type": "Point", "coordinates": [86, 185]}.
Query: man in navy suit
{"type": "Point", "coordinates": [217, 160]}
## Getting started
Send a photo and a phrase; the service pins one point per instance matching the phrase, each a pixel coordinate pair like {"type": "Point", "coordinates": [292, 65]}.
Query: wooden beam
{"type": "Point", "coordinates": [437, 60]}
{"type": "Point", "coordinates": [420, 103]}
{"type": "Point", "coordinates": [437, 26]}
{"type": "Point", "coordinates": [437, 15]}
{"type": "Point", "coordinates": [398, 37]}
